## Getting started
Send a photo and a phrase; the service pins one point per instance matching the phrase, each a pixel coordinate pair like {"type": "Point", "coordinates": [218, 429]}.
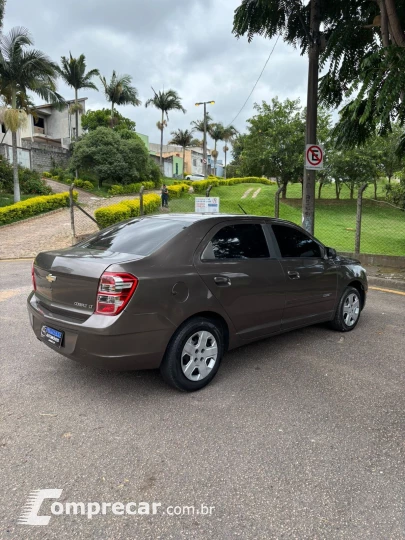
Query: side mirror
{"type": "Point", "coordinates": [331, 253]}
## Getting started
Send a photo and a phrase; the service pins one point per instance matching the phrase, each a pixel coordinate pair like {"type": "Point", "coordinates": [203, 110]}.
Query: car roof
{"type": "Point", "coordinates": [193, 217]}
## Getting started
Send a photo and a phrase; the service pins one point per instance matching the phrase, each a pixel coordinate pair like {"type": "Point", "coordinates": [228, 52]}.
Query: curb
{"type": "Point", "coordinates": [386, 283]}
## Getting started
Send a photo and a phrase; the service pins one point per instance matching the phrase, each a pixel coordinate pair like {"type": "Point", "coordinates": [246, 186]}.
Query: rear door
{"type": "Point", "coordinates": [243, 273]}
{"type": "Point", "coordinates": [311, 279]}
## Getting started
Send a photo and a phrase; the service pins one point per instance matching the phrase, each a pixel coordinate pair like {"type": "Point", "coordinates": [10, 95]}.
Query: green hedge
{"type": "Point", "coordinates": [129, 188]}
{"type": "Point", "coordinates": [115, 213]}
{"type": "Point", "coordinates": [201, 186]}
{"type": "Point", "coordinates": [177, 190]}
{"type": "Point", "coordinates": [83, 184]}
{"type": "Point", "coordinates": [34, 206]}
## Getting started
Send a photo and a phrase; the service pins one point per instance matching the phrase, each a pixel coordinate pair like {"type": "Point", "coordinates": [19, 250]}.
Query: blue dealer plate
{"type": "Point", "coordinates": [55, 337]}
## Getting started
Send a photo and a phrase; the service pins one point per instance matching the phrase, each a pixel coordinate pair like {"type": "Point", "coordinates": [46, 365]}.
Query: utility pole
{"type": "Point", "coordinates": [205, 160]}
{"type": "Point", "coordinates": [308, 196]}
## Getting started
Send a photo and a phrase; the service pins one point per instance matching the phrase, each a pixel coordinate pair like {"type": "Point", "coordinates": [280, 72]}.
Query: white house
{"type": "Point", "coordinates": [49, 130]}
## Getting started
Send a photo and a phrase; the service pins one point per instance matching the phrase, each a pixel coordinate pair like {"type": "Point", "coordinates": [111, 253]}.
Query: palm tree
{"type": "Point", "coordinates": [119, 91]}
{"type": "Point", "coordinates": [229, 133]}
{"type": "Point", "coordinates": [198, 125]}
{"type": "Point", "coordinates": [21, 71]}
{"type": "Point", "coordinates": [165, 102]}
{"type": "Point", "coordinates": [216, 132]}
{"type": "Point", "coordinates": [182, 138]}
{"type": "Point", "coordinates": [73, 72]}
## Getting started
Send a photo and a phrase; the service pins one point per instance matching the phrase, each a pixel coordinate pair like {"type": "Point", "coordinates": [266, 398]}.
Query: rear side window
{"type": "Point", "coordinates": [244, 241]}
{"type": "Point", "coordinates": [138, 237]}
{"type": "Point", "coordinates": [295, 243]}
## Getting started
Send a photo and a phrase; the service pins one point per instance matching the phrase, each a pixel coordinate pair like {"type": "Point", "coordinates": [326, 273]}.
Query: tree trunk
{"type": "Point", "coordinates": [225, 166]}
{"type": "Point", "coordinates": [77, 115]}
{"type": "Point", "coordinates": [320, 189]}
{"type": "Point", "coordinates": [337, 190]}
{"type": "Point", "coordinates": [351, 191]}
{"type": "Point", "coordinates": [161, 146]}
{"type": "Point", "coordinates": [375, 189]}
{"type": "Point", "coordinates": [17, 196]}
{"type": "Point", "coordinates": [385, 35]}
{"type": "Point", "coordinates": [395, 24]}
{"type": "Point", "coordinates": [389, 179]}
{"type": "Point", "coordinates": [112, 115]}
{"type": "Point", "coordinates": [284, 190]}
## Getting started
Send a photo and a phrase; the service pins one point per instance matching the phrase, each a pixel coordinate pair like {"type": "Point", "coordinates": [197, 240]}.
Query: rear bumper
{"type": "Point", "coordinates": [104, 342]}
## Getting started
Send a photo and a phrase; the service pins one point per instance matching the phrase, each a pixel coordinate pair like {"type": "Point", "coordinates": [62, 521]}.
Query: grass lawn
{"type": "Point", "coordinates": [383, 227]}
{"type": "Point", "coordinates": [8, 198]}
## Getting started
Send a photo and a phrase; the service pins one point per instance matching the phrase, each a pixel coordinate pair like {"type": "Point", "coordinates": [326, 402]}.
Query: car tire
{"type": "Point", "coordinates": [204, 340]}
{"type": "Point", "coordinates": [348, 311]}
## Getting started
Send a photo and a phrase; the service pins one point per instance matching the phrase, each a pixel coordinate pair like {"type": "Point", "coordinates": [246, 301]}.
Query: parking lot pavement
{"type": "Point", "coordinates": [299, 436]}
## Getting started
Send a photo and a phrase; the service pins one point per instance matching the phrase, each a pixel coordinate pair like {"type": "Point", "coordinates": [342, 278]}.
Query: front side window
{"type": "Point", "coordinates": [244, 241]}
{"type": "Point", "coordinates": [295, 243]}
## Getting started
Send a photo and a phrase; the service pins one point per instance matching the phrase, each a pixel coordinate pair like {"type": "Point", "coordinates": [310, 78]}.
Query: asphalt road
{"type": "Point", "coordinates": [300, 436]}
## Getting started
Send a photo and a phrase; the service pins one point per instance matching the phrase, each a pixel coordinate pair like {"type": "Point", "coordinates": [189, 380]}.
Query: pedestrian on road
{"type": "Point", "coordinates": [165, 196]}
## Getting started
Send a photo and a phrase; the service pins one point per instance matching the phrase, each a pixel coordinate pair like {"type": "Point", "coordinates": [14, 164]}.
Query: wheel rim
{"type": "Point", "coordinates": [199, 355]}
{"type": "Point", "coordinates": [351, 309]}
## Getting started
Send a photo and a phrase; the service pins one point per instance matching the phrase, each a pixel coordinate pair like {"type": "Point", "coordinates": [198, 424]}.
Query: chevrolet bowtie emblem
{"type": "Point", "coordinates": [51, 278]}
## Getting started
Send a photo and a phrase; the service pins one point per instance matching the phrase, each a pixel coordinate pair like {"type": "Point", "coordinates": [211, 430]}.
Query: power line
{"type": "Point", "coordinates": [256, 83]}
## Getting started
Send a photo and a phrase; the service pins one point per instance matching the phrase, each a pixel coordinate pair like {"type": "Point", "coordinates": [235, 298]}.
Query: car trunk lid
{"type": "Point", "coordinates": [67, 282]}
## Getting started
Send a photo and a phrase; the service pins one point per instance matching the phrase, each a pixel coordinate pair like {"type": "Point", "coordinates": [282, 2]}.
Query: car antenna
{"type": "Point", "coordinates": [242, 209]}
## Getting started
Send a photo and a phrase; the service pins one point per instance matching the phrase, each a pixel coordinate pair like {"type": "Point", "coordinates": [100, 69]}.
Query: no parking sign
{"type": "Point", "coordinates": [314, 157]}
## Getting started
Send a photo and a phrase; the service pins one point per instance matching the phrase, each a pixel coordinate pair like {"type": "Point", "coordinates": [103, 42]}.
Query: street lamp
{"type": "Point", "coordinates": [205, 103]}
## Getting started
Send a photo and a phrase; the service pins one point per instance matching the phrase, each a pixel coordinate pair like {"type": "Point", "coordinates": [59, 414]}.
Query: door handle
{"type": "Point", "coordinates": [293, 275]}
{"type": "Point", "coordinates": [222, 281]}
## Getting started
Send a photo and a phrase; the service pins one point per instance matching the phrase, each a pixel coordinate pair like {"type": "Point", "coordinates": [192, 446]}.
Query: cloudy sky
{"type": "Point", "coordinates": [186, 45]}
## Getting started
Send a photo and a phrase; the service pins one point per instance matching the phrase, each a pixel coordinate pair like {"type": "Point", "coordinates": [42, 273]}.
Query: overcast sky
{"type": "Point", "coordinates": [186, 45]}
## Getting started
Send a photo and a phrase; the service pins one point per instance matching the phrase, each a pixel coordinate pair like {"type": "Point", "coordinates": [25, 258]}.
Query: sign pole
{"type": "Point", "coordinates": [308, 196]}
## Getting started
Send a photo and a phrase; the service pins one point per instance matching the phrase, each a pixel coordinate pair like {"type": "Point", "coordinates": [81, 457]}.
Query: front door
{"type": "Point", "coordinates": [311, 279]}
{"type": "Point", "coordinates": [236, 265]}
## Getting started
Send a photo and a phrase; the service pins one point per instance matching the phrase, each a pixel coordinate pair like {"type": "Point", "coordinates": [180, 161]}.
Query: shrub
{"type": "Point", "coordinates": [30, 181]}
{"type": "Point", "coordinates": [34, 206]}
{"type": "Point", "coordinates": [46, 174]}
{"type": "Point", "coordinates": [178, 182]}
{"type": "Point", "coordinates": [115, 213]}
{"type": "Point", "coordinates": [83, 184]}
{"type": "Point", "coordinates": [176, 190]}
{"type": "Point", "coordinates": [201, 186]}
{"type": "Point", "coordinates": [129, 188]}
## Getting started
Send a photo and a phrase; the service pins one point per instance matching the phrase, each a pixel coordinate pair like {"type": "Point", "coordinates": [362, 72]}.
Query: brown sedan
{"type": "Point", "coordinates": [176, 292]}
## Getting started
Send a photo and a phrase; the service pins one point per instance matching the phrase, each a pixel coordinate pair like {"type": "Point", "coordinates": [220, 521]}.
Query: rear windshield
{"type": "Point", "coordinates": [138, 237]}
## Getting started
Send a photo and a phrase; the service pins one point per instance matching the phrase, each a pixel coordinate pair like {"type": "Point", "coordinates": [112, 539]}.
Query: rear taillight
{"type": "Point", "coordinates": [34, 283]}
{"type": "Point", "coordinates": [114, 292]}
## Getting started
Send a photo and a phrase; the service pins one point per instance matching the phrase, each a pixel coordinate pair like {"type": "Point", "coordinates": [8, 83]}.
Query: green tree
{"type": "Point", "coordinates": [165, 101]}
{"type": "Point", "coordinates": [361, 47]}
{"type": "Point", "coordinates": [2, 8]}
{"type": "Point", "coordinates": [23, 71]}
{"type": "Point", "coordinates": [198, 125]}
{"type": "Point", "coordinates": [274, 144]}
{"type": "Point", "coordinates": [216, 133]}
{"type": "Point", "coordinates": [102, 118]}
{"type": "Point", "coordinates": [353, 168]}
{"type": "Point", "coordinates": [118, 91]}
{"type": "Point", "coordinates": [182, 138]}
{"type": "Point", "coordinates": [73, 72]}
{"type": "Point", "coordinates": [111, 157]}
{"type": "Point", "coordinates": [386, 154]}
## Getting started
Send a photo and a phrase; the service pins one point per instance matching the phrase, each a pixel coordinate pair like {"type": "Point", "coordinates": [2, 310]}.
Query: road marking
{"type": "Point", "coordinates": [387, 290]}
{"type": "Point", "coordinates": [246, 193]}
{"type": "Point", "coordinates": [256, 193]}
